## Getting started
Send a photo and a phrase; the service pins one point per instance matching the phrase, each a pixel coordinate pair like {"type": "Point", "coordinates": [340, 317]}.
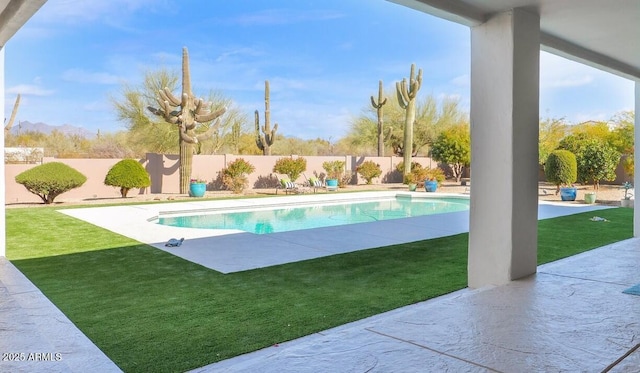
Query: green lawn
{"type": "Point", "coordinates": [151, 311]}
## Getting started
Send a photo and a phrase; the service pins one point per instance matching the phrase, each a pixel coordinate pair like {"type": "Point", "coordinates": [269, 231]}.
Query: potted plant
{"type": "Point", "coordinates": [433, 178]}
{"type": "Point", "coordinates": [626, 199]}
{"type": "Point", "coordinates": [412, 181]}
{"type": "Point", "coordinates": [334, 171]}
{"type": "Point", "coordinates": [590, 197]}
{"type": "Point", "coordinates": [561, 169]}
{"type": "Point", "coordinates": [197, 187]}
{"type": "Point", "coordinates": [414, 178]}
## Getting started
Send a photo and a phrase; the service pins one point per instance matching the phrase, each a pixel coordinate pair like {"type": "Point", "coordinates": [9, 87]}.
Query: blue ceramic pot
{"type": "Point", "coordinates": [568, 194]}
{"type": "Point", "coordinates": [197, 189]}
{"type": "Point", "coordinates": [430, 185]}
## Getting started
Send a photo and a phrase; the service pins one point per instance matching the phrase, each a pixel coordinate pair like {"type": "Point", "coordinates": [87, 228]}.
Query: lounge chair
{"type": "Point", "coordinates": [314, 183]}
{"type": "Point", "coordinates": [288, 186]}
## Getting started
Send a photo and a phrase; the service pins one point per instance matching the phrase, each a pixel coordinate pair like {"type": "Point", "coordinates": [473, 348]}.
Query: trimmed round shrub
{"type": "Point", "coordinates": [127, 174]}
{"type": "Point", "coordinates": [561, 168]}
{"type": "Point", "coordinates": [49, 180]}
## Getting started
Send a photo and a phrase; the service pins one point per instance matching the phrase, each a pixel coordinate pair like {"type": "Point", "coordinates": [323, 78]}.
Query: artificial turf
{"type": "Point", "coordinates": [151, 311]}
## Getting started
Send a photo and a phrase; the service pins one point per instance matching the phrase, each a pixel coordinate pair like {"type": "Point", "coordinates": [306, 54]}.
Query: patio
{"type": "Point", "coordinates": [570, 316]}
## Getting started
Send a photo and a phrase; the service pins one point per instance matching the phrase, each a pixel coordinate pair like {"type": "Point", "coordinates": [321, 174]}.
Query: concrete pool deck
{"type": "Point", "coordinates": [230, 251]}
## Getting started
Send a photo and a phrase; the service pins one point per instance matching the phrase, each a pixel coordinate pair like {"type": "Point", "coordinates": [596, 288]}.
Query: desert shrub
{"type": "Point", "coordinates": [127, 174]}
{"type": "Point", "coordinates": [345, 178]}
{"type": "Point", "coordinates": [417, 175]}
{"type": "Point", "coordinates": [334, 169]}
{"type": "Point", "coordinates": [234, 177]}
{"type": "Point", "coordinates": [561, 168]}
{"type": "Point", "coordinates": [453, 147]}
{"type": "Point", "coordinates": [49, 180]}
{"type": "Point", "coordinates": [290, 167]}
{"type": "Point", "coordinates": [414, 166]}
{"type": "Point", "coordinates": [368, 170]}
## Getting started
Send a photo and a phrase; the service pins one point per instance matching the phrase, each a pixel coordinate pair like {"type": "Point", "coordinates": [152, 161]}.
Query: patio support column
{"type": "Point", "coordinates": [3, 235]}
{"type": "Point", "coordinates": [636, 175]}
{"type": "Point", "coordinates": [503, 234]}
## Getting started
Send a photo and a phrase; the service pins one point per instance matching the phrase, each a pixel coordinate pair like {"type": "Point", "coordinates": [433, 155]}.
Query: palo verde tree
{"type": "Point", "coordinates": [186, 113]}
{"type": "Point", "coordinates": [406, 93]}
{"type": "Point", "coordinates": [551, 132]}
{"type": "Point", "coordinates": [378, 105]}
{"type": "Point", "coordinates": [265, 139]}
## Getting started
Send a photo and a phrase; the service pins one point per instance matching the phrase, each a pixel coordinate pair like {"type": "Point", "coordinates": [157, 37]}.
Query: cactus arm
{"type": "Point", "coordinates": [401, 88]}
{"type": "Point", "coordinates": [166, 109]}
{"type": "Point", "coordinates": [210, 116]}
{"type": "Point", "coordinates": [387, 136]}
{"type": "Point", "coordinates": [184, 136]}
{"type": "Point", "coordinates": [166, 95]}
{"type": "Point", "coordinates": [415, 83]}
{"type": "Point", "coordinates": [259, 138]}
{"type": "Point", "coordinates": [212, 129]}
{"type": "Point", "coordinates": [271, 136]}
{"type": "Point", "coordinates": [199, 107]}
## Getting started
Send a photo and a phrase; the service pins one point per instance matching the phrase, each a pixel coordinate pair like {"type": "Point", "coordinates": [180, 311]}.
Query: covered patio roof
{"type": "Point", "coordinates": [599, 34]}
{"type": "Point", "coordinates": [14, 14]}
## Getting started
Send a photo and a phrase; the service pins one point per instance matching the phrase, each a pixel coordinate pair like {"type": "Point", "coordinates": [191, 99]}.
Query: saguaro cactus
{"type": "Point", "coordinates": [265, 139]}
{"type": "Point", "coordinates": [378, 106]}
{"type": "Point", "coordinates": [407, 100]}
{"type": "Point", "coordinates": [12, 118]}
{"type": "Point", "coordinates": [186, 113]}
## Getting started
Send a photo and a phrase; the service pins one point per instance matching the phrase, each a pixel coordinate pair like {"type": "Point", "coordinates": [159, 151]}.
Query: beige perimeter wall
{"type": "Point", "coordinates": [163, 170]}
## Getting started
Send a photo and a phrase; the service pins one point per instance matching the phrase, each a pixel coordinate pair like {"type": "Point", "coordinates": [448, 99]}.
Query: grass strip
{"type": "Point", "coordinates": [151, 311]}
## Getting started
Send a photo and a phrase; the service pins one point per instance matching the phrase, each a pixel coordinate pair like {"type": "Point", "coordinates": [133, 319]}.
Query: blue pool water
{"type": "Point", "coordinates": [280, 219]}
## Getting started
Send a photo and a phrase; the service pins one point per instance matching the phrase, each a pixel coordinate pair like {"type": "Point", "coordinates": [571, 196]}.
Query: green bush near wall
{"type": "Point", "coordinates": [49, 180]}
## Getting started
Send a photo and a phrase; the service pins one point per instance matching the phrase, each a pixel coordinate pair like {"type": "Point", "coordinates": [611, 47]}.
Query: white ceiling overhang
{"type": "Point", "coordinates": [602, 34]}
{"type": "Point", "coordinates": [14, 14]}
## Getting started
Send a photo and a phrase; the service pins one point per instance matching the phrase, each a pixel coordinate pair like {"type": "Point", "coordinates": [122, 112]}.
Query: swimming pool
{"type": "Point", "coordinates": [290, 218]}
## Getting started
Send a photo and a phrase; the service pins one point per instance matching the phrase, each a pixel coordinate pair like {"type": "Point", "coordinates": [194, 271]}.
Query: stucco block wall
{"type": "Point", "coordinates": [163, 170]}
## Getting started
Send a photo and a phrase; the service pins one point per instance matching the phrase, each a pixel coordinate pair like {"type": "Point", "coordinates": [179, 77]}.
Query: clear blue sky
{"type": "Point", "coordinates": [322, 58]}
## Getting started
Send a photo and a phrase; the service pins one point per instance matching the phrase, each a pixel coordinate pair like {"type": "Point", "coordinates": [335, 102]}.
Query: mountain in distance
{"type": "Point", "coordinates": [67, 129]}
